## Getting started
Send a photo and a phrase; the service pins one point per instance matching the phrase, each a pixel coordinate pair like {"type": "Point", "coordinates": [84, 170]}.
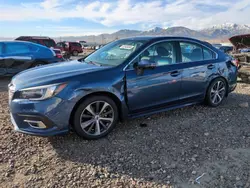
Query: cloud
{"type": "Point", "coordinates": [194, 14]}
{"type": "Point", "coordinates": [49, 4]}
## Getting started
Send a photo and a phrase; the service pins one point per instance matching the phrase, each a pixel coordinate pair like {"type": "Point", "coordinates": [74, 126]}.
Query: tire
{"type": "Point", "coordinates": [86, 121]}
{"type": "Point", "coordinates": [75, 53]}
{"type": "Point", "coordinates": [37, 64]}
{"type": "Point", "coordinates": [215, 97]}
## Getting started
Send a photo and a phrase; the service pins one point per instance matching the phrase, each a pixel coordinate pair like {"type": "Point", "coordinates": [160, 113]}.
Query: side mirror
{"type": "Point", "coordinates": [146, 64]}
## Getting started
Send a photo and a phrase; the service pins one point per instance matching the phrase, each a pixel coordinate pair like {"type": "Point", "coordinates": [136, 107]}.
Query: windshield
{"type": "Point", "coordinates": [114, 53]}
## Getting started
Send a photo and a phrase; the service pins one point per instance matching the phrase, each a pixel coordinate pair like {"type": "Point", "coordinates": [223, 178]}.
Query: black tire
{"type": "Point", "coordinates": [38, 64]}
{"type": "Point", "coordinates": [80, 109]}
{"type": "Point", "coordinates": [75, 53]}
{"type": "Point", "coordinates": [209, 95]}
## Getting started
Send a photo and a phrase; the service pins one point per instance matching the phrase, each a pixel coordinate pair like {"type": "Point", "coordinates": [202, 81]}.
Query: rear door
{"type": "Point", "coordinates": [198, 64]}
{"type": "Point", "coordinates": [17, 57]}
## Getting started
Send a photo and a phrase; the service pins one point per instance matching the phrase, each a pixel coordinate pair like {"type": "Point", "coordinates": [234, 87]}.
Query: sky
{"type": "Point", "coordinates": [91, 17]}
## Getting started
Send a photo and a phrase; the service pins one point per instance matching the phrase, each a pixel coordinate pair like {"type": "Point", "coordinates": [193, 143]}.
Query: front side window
{"type": "Point", "coordinates": [161, 53]}
{"type": "Point", "coordinates": [191, 52]}
{"type": "Point", "coordinates": [115, 53]}
{"type": "Point", "coordinates": [59, 44]}
{"type": "Point", "coordinates": [16, 48]}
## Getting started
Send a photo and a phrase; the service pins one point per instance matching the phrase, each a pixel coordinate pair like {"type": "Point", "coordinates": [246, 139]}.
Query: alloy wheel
{"type": "Point", "coordinates": [97, 118]}
{"type": "Point", "coordinates": [217, 92]}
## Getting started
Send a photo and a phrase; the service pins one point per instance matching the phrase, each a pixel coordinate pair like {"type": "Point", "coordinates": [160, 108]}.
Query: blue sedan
{"type": "Point", "coordinates": [16, 56]}
{"type": "Point", "coordinates": [125, 79]}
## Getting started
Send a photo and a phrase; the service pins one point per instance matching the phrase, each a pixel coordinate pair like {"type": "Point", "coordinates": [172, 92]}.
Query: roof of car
{"type": "Point", "coordinates": [159, 38]}
{"type": "Point", "coordinates": [17, 41]}
{"type": "Point", "coordinates": [33, 37]}
{"type": "Point", "coordinates": [24, 42]}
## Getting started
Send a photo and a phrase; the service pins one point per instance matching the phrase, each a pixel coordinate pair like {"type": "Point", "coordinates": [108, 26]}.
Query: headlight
{"type": "Point", "coordinates": [40, 92]}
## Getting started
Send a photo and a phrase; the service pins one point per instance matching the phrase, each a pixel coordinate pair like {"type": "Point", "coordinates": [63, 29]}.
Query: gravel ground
{"type": "Point", "coordinates": [169, 149]}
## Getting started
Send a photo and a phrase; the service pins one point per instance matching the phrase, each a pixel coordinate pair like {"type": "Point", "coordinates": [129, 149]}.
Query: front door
{"type": "Point", "coordinates": [158, 87]}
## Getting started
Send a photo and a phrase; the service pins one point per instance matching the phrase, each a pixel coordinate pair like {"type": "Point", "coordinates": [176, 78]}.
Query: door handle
{"type": "Point", "coordinates": [211, 66]}
{"type": "Point", "coordinates": [175, 73]}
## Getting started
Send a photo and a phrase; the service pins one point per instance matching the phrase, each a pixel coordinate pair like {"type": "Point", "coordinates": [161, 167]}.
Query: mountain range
{"type": "Point", "coordinates": [219, 32]}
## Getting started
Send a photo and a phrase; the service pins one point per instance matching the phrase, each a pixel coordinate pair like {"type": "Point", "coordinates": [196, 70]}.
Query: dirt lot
{"type": "Point", "coordinates": [170, 149]}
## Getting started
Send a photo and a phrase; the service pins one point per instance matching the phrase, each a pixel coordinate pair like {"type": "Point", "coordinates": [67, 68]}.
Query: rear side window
{"type": "Point", "coordinates": [36, 41]}
{"type": "Point", "coordinates": [193, 52]}
{"type": "Point", "coordinates": [33, 48]}
{"type": "Point", "coordinates": [190, 52]}
{"type": "Point", "coordinates": [208, 54]}
{"type": "Point", "coordinates": [49, 43]}
{"type": "Point", "coordinates": [16, 48]}
{"type": "Point", "coordinates": [76, 44]}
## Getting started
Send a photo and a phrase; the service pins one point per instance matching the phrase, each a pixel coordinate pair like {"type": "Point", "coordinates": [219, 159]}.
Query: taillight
{"type": "Point", "coordinates": [235, 62]}
{"type": "Point", "coordinates": [59, 56]}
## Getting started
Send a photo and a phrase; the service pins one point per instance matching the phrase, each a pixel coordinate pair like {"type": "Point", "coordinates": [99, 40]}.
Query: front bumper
{"type": "Point", "coordinates": [42, 118]}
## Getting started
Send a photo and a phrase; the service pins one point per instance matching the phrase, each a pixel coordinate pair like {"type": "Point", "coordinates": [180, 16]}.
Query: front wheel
{"type": "Point", "coordinates": [95, 117]}
{"type": "Point", "coordinates": [75, 53]}
{"type": "Point", "coordinates": [216, 92]}
{"type": "Point", "coordinates": [37, 64]}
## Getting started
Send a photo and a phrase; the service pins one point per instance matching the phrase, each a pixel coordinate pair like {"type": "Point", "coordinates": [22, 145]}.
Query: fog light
{"type": "Point", "coordinates": [36, 124]}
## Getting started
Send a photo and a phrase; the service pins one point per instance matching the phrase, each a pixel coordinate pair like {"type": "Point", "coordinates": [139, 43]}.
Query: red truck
{"type": "Point", "coordinates": [73, 48]}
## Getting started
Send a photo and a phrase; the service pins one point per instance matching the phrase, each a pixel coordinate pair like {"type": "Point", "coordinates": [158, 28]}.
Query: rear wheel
{"type": "Point", "coordinates": [216, 92]}
{"type": "Point", "coordinates": [95, 117]}
{"type": "Point", "coordinates": [75, 53]}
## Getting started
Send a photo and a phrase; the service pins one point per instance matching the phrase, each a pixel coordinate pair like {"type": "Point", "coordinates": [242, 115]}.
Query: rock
{"type": "Point", "coordinates": [143, 125]}
{"type": "Point", "coordinates": [173, 166]}
{"type": "Point", "coordinates": [194, 172]}
{"type": "Point", "coordinates": [168, 177]}
{"type": "Point", "coordinates": [181, 140]}
{"type": "Point", "coordinates": [193, 159]}
{"type": "Point", "coordinates": [206, 134]}
{"type": "Point", "coordinates": [244, 105]}
{"type": "Point", "coordinates": [70, 176]}
{"type": "Point", "coordinates": [7, 174]}
{"type": "Point", "coordinates": [237, 178]}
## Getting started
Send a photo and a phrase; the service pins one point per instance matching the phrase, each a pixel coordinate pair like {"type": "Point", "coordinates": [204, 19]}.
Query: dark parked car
{"type": "Point", "coordinates": [45, 41]}
{"type": "Point", "coordinates": [124, 79]}
{"type": "Point", "coordinates": [16, 56]}
{"type": "Point", "coordinates": [226, 49]}
{"type": "Point", "coordinates": [73, 48]}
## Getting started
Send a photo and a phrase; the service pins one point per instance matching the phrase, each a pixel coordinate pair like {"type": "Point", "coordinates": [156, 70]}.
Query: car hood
{"type": "Point", "coordinates": [56, 71]}
{"type": "Point", "coordinates": [240, 41]}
